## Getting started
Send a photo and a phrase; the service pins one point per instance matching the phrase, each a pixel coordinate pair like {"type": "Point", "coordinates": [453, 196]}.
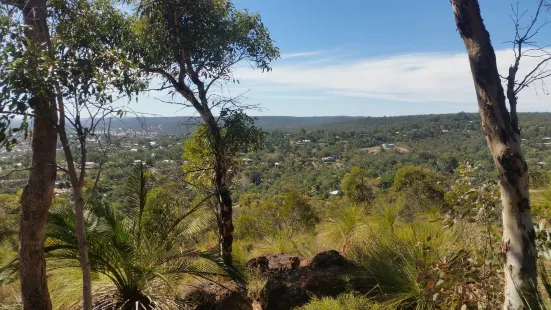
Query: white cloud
{"type": "Point", "coordinates": [443, 78]}
{"type": "Point", "coordinates": [299, 54]}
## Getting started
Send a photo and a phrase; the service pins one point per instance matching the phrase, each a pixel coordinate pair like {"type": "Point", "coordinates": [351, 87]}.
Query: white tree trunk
{"type": "Point", "coordinates": [503, 138]}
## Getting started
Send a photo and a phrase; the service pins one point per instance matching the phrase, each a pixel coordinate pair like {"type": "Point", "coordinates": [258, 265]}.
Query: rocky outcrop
{"type": "Point", "coordinates": [323, 275]}
{"type": "Point", "coordinates": [291, 283]}
{"type": "Point", "coordinates": [274, 263]}
{"type": "Point", "coordinates": [216, 296]}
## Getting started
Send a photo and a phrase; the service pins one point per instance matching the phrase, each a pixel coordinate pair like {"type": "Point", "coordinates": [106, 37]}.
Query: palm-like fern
{"type": "Point", "coordinates": [142, 264]}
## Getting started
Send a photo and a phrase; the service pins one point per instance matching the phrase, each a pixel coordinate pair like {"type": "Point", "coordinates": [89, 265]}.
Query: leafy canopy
{"type": "Point", "coordinates": [208, 36]}
{"type": "Point", "coordinates": [86, 60]}
{"type": "Point", "coordinates": [358, 186]}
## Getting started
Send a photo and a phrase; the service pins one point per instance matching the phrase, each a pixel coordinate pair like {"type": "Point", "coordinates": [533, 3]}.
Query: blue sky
{"type": "Point", "coordinates": [367, 58]}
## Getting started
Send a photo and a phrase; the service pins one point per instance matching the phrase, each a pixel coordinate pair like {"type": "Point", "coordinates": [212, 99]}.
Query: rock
{"type": "Point", "coordinates": [213, 296]}
{"type": "Point", "coordinates": [274, 263]}
{"type": "Point", "coordinates": [281, 293]}
{"type": "Point", "coordinates": [323, 275]}
{"type": "Point", "coordinates": [328, 259]}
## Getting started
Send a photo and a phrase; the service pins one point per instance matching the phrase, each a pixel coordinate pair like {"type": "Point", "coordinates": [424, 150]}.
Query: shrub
{"type": "Point", "coordinates": [346, 301]}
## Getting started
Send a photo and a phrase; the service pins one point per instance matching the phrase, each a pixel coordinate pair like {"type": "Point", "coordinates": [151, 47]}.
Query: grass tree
{"type": "Point", "coordinates": [142, 261]}
{"type": "Point", "coordinates": [193, 46]}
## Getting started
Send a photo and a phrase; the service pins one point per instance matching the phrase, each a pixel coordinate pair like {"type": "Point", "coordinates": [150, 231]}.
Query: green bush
{"type": "Point", "coordinates": [346, 301]}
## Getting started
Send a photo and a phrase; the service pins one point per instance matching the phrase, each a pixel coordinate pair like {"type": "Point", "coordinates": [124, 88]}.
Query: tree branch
{"type": "Point", "coordinates": [14, 170]}
{"type": "Point", "coordinates": [181, 88]}
{"type": "Point", "coordinates": [20, 4]}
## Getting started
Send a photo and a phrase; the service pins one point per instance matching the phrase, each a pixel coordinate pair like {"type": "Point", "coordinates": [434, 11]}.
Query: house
{"type": "Point", "coordinates": [387, 146]}
{"type": "Point", "coordinates": [90, 165]}
{"type": "Point", "coordinates": [152, 143]}
{"type": "Point", "coordinates": [334, 192]}
{"type": "Point", "coordinates": [277, 164]}
{"type": "Point", "coordinates": [444, 130]}
{"type": "Point", "coordinates": [547, 144]}
{"type": "Point", "coordinates": [248, 161]}
{"type": "Point", "coordinates": [134, 150]}
{"type": "Point", "coordinates": [328, 159]}
{"type": "Point", "coordinates": [137, 161]}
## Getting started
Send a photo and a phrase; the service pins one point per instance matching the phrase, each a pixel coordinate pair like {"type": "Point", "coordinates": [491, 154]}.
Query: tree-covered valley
{"type": "Point", "coordinates": [104, 206]}
{"type": "Point", "coordinates": [423, 188]}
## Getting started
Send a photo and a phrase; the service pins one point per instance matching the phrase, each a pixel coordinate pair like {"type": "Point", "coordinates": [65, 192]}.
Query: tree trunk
{"type": "Point", "coordinates": [77, 182]}
{"type": "Point", "coordinates": [37, 195]}
{"type": "Point", "coordinates": [225, 225]}
{"type": "Point", "coordinates": [35, 201]}
{"type": "Point", "coordinates": [82, 248]}
{"type": "Point", "coordinates": [225, 222]}
{"type": "Point", "coordinates": [519, 251]}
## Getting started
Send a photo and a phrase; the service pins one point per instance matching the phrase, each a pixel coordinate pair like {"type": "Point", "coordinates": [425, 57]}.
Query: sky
{"type": "Point", "coordinates": [368, 58]}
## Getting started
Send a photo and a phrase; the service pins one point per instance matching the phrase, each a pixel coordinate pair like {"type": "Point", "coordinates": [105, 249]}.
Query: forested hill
{"type": "Point", "coordinates": [461, 121]}
{"type": "Point", "coordinates": [185, 124]}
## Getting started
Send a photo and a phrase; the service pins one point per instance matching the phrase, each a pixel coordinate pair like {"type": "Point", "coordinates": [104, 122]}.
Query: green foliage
{"type": "Point", "coordinates": [420, 185]}
{"type": "Point", "coordinates": [348, 301]}
{"type": "Point", "coordinates": [470, 199]}
{"type": "Point", "coordinates": [198, 158]}
{"type": "Point", "coordinates": [142, 263]}
{"type": "Point", "coordinates": [239, 133]}
{"type": "Point", "coordinates": [420, 266]}
{"type": "Point", "coordinates": [285, 214]}
{"type": "Point", "coordinates": [85, 61]}
{"type": "Point", "coordinates": [9, 204]}
{"type": "Point", "coordinates": [214, 35]}
{"type": "Point", "coordinates": [358, 186]}
{"type": "Point", "coordinates": [337, 232]}
{"type": "Point", "coordinates": [9, 218]}
{"type": "Point", "coordinates": [24, 69]}
{"type": "Point", "coordinates": [90, 62]}
{"type": "Point", "coordinates": [164, 204]}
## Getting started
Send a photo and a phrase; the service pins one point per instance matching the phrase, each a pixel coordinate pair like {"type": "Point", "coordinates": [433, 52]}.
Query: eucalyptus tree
{"type": "Point", "coordinates": [78, 64]}
{"type": "Point", "coordinates": [92, 72]}
{"type": "Point", "coordinates": [26, 83]}
{"type": "Point", "coordinates": [194, 46]}
{"type": "Point", "coordinates": [503, 136]}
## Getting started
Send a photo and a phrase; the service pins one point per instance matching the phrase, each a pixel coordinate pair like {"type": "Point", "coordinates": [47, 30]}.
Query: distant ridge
{"type": "Point", "coordinates": [183, 124]}
{"type": "Point", "coordinates": [187, 124]}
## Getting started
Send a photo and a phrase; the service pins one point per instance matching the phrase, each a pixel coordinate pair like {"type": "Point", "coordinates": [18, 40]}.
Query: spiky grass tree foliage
{"type": "Point", "coordinates": [142, 261]}
{"type": "Point", "coordinates": [416, 265]}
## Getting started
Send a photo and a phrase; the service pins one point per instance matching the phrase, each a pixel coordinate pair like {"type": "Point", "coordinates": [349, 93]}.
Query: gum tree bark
{"type": "Point", "coordinates": [503, 138]}
{"type": "Point", "coordinates": [38, 193]}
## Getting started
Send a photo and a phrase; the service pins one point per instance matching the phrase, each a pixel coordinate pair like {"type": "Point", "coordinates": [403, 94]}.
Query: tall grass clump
{"type": "Point", "coordinates": [417, 265]}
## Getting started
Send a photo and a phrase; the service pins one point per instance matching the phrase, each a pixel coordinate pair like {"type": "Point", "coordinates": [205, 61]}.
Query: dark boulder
{"type": "Point", "coordinates": [214, 296]}
{"type": "Point", "coordinates": [323, 275]}
{"type": "Point", "coordinates": [274, 263]}
{"type": "Point", "coordinates": [329, 259]}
